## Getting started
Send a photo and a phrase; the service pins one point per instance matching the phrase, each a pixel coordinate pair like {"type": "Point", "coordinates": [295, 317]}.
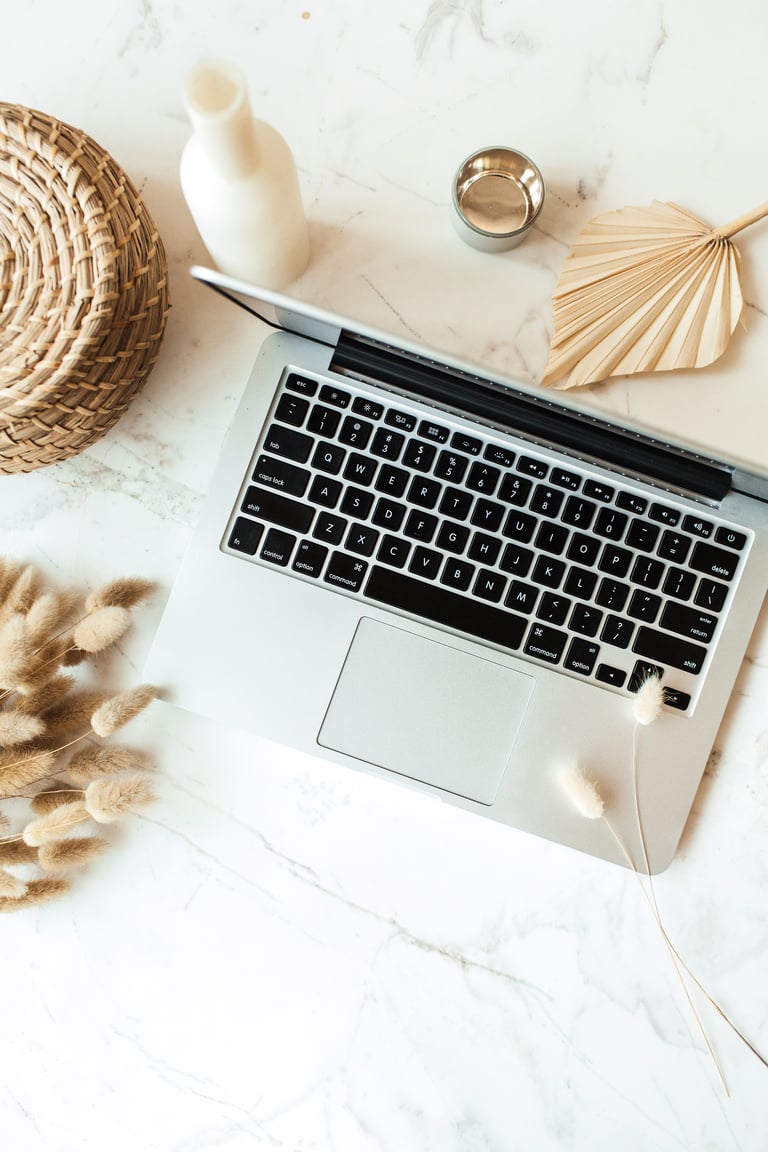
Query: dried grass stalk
{"type": "Point", "coordinates": [70, 853]}
{"type": "Point", "coordinates": [18, 727]}
{"type": "Point", "coordinates": [72, 715]}
{"type": "Point", "coordinates": [38, 891]}
{"type": "Point", "coordinates": [126, 593]}
{"type": "Point", "coordinates": [45, 697]}
{"type": "Point", "coordinates": [54, 825]}
{"type": "Point", "coordinates": [17, 852]}
{"type": "Point", "coordinates": [101, 628]}
{"type": "Point", "coordinates": [15, 651]}
{"type": "Point", "coordinates": [49, 615]}
{"type": "Point", "coordinates": [10, 885]}
{"type": "Point", "coordinates": [110, 797]}
{"type": "Point", "coordinates": [22, 593]}
{"type": "Point", "coordinates": [118, 710]}
{"type": "Point", "coordinates": [9, 572]}
{"type": "Point", "coordinates": [25, 769]}
{"type": "Point", "coordinates": [98, 760]}
{"type": "Point", "coordinates": [55, 794]}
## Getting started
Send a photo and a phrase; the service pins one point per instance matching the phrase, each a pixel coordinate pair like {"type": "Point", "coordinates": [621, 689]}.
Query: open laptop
{"type": "Point", "coordinates": [457, 582]}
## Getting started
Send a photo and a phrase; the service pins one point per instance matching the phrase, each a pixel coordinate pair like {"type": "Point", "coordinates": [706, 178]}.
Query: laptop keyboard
{"type": "Point", "coordinates": [451, 522]}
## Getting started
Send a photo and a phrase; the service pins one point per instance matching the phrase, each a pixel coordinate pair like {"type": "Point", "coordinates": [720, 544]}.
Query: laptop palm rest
{"type": "Point", "coordinates": [426, 710]}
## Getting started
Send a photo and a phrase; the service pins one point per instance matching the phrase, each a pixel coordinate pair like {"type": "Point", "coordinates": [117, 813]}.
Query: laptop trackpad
{"type": "Point", "coordinates": [426, 710]}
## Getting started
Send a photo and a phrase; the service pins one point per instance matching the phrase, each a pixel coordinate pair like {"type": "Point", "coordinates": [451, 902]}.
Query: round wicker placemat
{"type": "Point", "coordinates": [83, 290]}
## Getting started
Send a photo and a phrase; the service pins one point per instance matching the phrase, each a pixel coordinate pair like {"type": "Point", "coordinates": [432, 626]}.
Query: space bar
{"type": "Point", "coordinates": [444, 607]}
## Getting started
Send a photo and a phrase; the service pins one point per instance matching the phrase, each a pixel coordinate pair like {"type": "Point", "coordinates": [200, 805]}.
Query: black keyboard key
{"type": "Point", "coordinates": [323, 421]}
{"type": "Point", "coordinates": [552, 608]}
{"type": "Point", "coordinates": [597, 490]}
{"type": "Point", "coordinates": [419, 455]}
{"type": "Point", "coordinates": [292, 410]}
{"type": "Point", "coordinates": [671, 650]}
{"type": "Point", "coordinates": [664, 514]}
{"type": "Point", "coordinates": [516, 560]}
{"type": "Point", "coordinates": [531, 467]}
{"type": "Point", "coordinates": [610, 523]}
{"type": "Point", "coordinates": [329, 394]}
{"type": "Point", "coordinates": [301, 384]}
{"type": "Point", "coordinates": [643, 671]}
{"type": "Point", "coordinates": [325, 491]}
{"type": "Point", "coordinates": [359, 468]}
{"type": "Point", "coordinates": [715, 562]}
{"type": "Point", "coordinates": [357, 502]}
{"type": "Point", "coordinates": [647, 571]}
{"type": "Point", "coordinates": [612, 594]}
{"type": "Point", "coordinates": [420, 526]}
{"type": "Point", "coordinates": [519, 526]}
{"type": "Point", "coordinates": [487, 514]}
{"type": "Point", "coordinates": [617, 631]}
{"type": "Point", "coordinates": [514, 490]}
{"type": "Point", "coordinates": [546, 501]}
{"type": "Point", "coordinates": [289, 443]}
{"type": "Point", "coordinates": [607, 674]}
{"type": "Point", "coordinates": [679, 583]}
{"type": "Point", "coordinates": [689, 622]}
{"type": "Point", "coordinates": [355, 433]}
{"type": "Point", "coordinates": [456, 503]}
{"type": "Point", "coordinates": [583, 549]}
{"type": "Point", "coordinates": [521, 597]}
{"type": "Point", "coordinates": [281, 475]}
{"type": "Point", "coordinates": [642, 535]}
{"type": "Point", "coordinates": [425, 562]}
{"type": "Point", "coordinates": [484, 549]}
{"type": "Point", "coordinates": [578, 512]}
{"type": "Point", "coordinates": [277, 547]}
{"type": "Point", "coordinates": [615, 561]}
{"type": "Point", "coordinates": [368, 408]}
{"type": "Point", "coordinates": [457, 574]}
{"type": "Point", "coordinates": [632, 503]}
{"type": "Point", "coordinates": [452, 537]}
{"type": "Point", "coordinates": [552, 538]}
{"type": "Point", "coordinates": [388, 514]}
{"type": "Point", "coordinates": [309, 558]}
{"type": "Point", "coordinates": [464, 443]}
{"type": "Point", "coordinates": [328, 457]}
{"type": "Point", "coordinates": [698, 527]}
{"type": "Point", "coordinates": [391, 481]}
{"type": "Point", "coordinates": [580, 583]}
{"type": "Point", "coordinates": [442, 606]}
{"type": "Point", "coordinates": [730, 538]}
{"type": "Point", "coordinates": [483, 478]}
{"type": "Point", "coordinates": [451, 466]}
{"type": "Point", "coordinates": [265, 504]}
{"type": "Point", "coordinates": [387, 444]}
{"type": "Point", "coordinates": [404, 421]}
{"type": "Point", "coordinates": [394, 551]}
{"type": "Point", "coordinates": [495, 454]}
{"type": "Point", "coordinates": [674, 698]}
{"type": "Point", "coordinates": [545, 643]}
{"type": "Point", "coordinates": [432, 431]}
{"type": "Point", "coordinates": [245, 536]}
{"type": "Point", "coordinates": [329, 528]}
{"type": "Point", "coordinates": [581, 656]}
{"type": "Point", "coordinates": [489, 585]}
{"type": "Point", "coordinates": [424, 491]}
{"type": "Point", "coordinates": [361, 539]}
{"type": "Point", "coordinates": [585, 620]}
{"type": "Point", "coordinates": [674, 547]}
{"type": "Point", "coordinates": [644, 606]}
{"type": "Point", "coordinates": [710, 594]}
{"type": "Point", "coordinates": [565, 479]}
{"type": "Point", "coordinates": [548, 572]}
{"type": "Point", "coordinates": [346, 571]}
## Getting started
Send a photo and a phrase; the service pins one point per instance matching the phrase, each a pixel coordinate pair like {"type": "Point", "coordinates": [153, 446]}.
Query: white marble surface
{"type": "Point", "coordinates": [281, 955]}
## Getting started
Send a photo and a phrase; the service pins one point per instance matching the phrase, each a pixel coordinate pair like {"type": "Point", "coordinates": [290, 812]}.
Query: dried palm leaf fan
{"type": "Point", "coordinates": [83, 290]}
{"type": "Point", "coordinates": [645, 289]}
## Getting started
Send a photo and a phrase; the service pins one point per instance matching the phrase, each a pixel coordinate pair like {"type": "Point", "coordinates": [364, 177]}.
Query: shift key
{"type": "Point", "coordinates": [277, 509]}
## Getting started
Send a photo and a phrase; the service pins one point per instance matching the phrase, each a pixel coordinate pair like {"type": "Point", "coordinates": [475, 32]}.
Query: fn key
{"type": "Point", "coordinates": [245, 536]}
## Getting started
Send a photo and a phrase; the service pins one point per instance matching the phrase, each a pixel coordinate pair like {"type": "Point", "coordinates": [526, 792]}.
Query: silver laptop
{"type": "Point", "coordinates": [457, 582]}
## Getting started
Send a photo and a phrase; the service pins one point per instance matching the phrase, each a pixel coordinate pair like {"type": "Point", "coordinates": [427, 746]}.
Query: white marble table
{"type": "Point", "coordinates": [283, 955]}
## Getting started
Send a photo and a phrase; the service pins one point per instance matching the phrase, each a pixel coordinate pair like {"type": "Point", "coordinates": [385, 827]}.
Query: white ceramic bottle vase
{"type": "Point", "coordinates": [240, 182]}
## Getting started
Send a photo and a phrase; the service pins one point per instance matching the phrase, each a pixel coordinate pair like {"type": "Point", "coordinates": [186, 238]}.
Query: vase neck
{"type": "Point", "coordinates": [216, 100]}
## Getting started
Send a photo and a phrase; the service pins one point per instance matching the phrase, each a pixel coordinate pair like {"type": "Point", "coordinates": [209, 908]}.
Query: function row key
{"type": "Point", "coordinates": [332, 395]}
{"type": "Point", "coordinates": [369, 408]}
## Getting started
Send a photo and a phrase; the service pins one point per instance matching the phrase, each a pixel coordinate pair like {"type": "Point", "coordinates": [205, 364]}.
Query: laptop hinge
{"type": "Point", "coordinates": [538, 419]}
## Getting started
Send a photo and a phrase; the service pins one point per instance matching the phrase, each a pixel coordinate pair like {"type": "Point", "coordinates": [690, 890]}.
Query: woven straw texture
{"type": "Point", "coordinates": [83, 290]}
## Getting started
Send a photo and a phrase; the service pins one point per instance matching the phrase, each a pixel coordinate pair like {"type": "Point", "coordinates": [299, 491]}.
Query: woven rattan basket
{"type": "Point", "coordinates": [83, 290]}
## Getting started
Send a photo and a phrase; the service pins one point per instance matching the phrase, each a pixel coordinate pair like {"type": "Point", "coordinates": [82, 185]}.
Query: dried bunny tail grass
{"type": "Point", "coordinates": [71, 853]}
{"type": "Point", "coordinates": [583, 792]}
{"type": "Point", "coordinates": [9, 573]}
{"type": "Point", "coordinates": [4, 822]}
{"type": "Point", "coordinates": [11, 886]}
{"type": "Point", "coordinates": [22, 594]}
{"type": "Point", "coordinates": [72, 714]}
{"type": "Point", "coordinates": [49, 615]}
{"type": "Point", "coordinates": [15, 651]}
{"type": "Point", "coordinates": [45, 697]}
{"type": "Point", "coordinates": [18, 727]}
{"type": "Point", "coordinates": [26, 769]}
{"type": "Point", "coordinates": [55, 824]}
{"type": "Point", "coordinates": [17, 852]}
{"type": "Point", "coordinates": [110, 797]}
{"type": "Point", "coordinates": [55, 794]}
{"type": "Point", "coordinates": [649, 700]}
{"type": "Point", "coordinates": [100, 761]}
{"type": "Point", "coordinates": [118, 710]}
{"type": "Point", "coordinates": [125, 593]}
{"type": "Point", "coordinates": [101, 628]}
{"type": "Point", "coordinates": [38, 891]}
